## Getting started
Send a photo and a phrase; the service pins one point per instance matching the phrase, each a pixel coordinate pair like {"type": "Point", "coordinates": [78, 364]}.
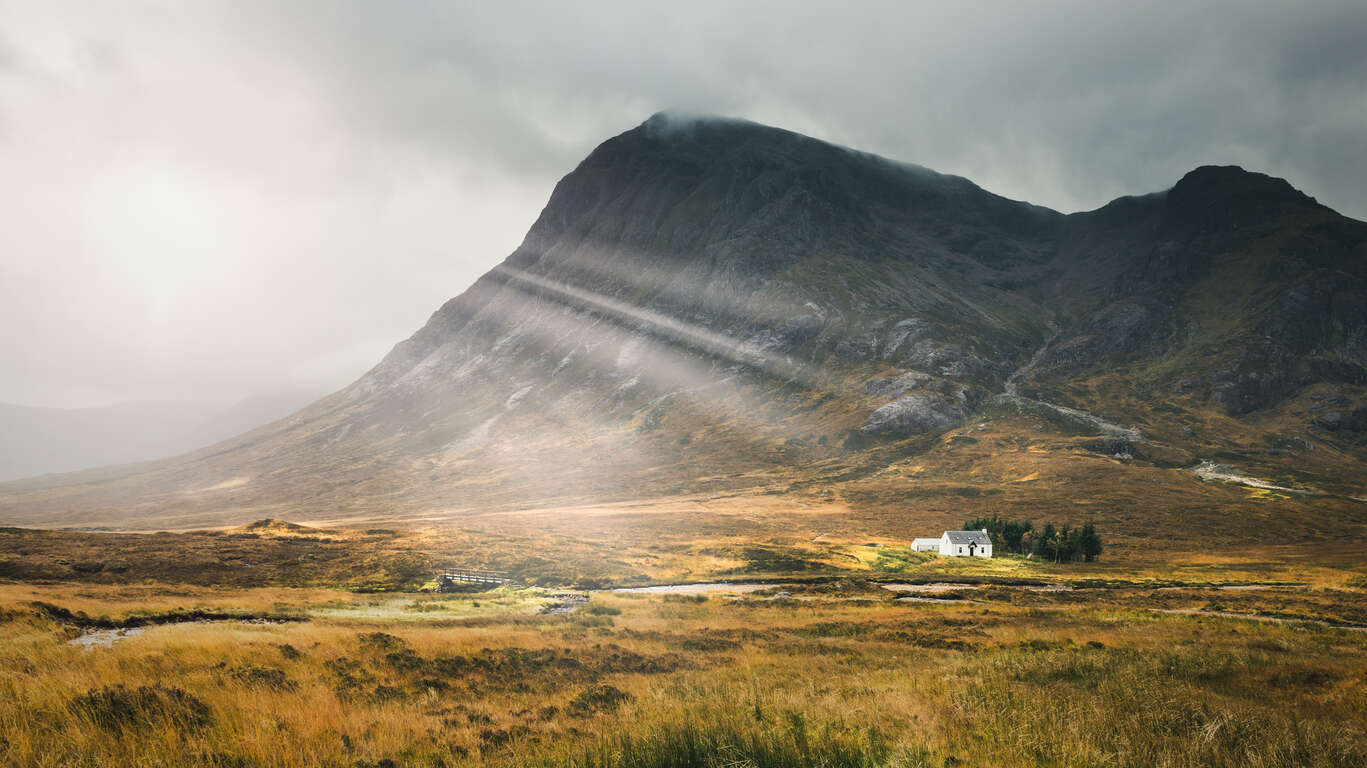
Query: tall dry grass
{"type": "Point", "coordinates": [835, 680]}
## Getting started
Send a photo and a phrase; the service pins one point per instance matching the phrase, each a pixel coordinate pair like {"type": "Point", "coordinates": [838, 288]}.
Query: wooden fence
{"type": "Point", "coordinates": [474, 576]}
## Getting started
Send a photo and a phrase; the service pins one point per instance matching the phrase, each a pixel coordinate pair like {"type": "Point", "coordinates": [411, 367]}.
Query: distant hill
{"type": "Point", "coordinates": [39, 441]}
{"type": "Point", "coordinates": [713, 307]}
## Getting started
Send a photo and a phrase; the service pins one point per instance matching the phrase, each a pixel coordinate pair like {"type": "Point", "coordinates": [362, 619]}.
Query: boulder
{"type": "Point", "coordinates": [914, 414]}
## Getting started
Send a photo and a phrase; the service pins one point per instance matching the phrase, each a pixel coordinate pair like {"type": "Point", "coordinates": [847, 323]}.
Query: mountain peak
{"type": "Point", "coordinates": [1232, 184]}
{"type": "Point", "coordinates": [685, 131]}
{"type": "Point", "coordinates": [743, 166]}
{"type": "Point", "coordinates": [706, 139]}
{"type": "Point", "coordinates": [675, 120]}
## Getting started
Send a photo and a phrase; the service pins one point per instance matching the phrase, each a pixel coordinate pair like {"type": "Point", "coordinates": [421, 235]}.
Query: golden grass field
{"type": "Point", "coordinates": [1126, 661]}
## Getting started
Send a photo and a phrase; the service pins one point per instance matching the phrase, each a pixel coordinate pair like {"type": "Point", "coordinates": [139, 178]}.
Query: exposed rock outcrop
{"type": "Point", "coordinates": [915, 413]}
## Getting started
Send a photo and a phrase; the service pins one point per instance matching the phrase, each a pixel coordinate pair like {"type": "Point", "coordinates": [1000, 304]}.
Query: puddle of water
{"type": "Point", "coordinates": [930, 589]}
{"type": "Point", "coordinates": [103, 638]}
{"type": "Point", "coordinates": [935, 600]}
{"type": "Point", "coordinates": [941, 587]}
{"type": "Point", "coordinates": [1223, 588]}
{"type": "Point", "coordinates": [783, 596]}
{"type": "Point", "coordinates": [1255, 617]}
{"type": "Point", "coordinates": [564, 603]}
{"type": "Point", "coordinates": [699, 588]}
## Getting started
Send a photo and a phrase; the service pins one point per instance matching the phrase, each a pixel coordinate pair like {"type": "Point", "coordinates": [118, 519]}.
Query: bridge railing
{"type": "Point", "coordinates": [476, 576]}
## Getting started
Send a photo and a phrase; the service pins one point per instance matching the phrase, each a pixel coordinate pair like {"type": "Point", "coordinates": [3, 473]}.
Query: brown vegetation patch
{"type": "Point", "coordinates": [118, 709]}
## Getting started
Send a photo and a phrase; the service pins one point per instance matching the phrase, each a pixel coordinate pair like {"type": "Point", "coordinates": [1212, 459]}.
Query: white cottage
{"type": "Point", "coordinates": [925, 545]}
{"type": "Point", "coordinates": [966, 544]}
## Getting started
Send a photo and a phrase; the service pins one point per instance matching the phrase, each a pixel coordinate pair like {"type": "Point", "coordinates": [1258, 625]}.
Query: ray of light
{"type": "Point", "coordinates": [660, 325]}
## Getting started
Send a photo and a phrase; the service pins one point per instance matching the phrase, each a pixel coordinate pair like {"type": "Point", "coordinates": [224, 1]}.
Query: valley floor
{"type": "Point", "coordinates": [894, 660]}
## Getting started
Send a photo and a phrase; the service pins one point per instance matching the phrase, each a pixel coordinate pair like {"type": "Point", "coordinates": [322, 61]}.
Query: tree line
{"type": "Point", "coordinates": [1058, 544]}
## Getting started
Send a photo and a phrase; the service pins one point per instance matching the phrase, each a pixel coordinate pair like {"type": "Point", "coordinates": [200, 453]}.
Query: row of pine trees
{"type": "Point", "coordinates": [1059, 545]}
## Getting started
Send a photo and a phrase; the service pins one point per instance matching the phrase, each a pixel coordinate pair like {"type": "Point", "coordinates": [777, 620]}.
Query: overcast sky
{"type": "Point", "coordinates": [205, 201]}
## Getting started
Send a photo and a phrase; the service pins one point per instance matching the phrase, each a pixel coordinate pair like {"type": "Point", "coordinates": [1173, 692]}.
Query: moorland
{"type": "Point", "coordinates": [315, 646]}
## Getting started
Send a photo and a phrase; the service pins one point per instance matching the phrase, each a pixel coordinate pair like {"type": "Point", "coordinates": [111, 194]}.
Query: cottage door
{"type": "Point", "coordinates": [971, 545]}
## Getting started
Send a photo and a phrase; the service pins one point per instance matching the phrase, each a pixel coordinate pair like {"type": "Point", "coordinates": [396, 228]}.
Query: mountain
{"type": "Point", "coordinates": [37, 441]}
{"type": "Point", "coordinates": [43, 440]}
{"type": "Point", "coordinates": [711, 308]}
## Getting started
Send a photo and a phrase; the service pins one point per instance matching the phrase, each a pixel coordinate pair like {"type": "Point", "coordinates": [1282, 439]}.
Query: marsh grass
{"type": "Point", "coordinates": [721, 738]}
{"type": "Point", "coordinates": [118, 709]}
{"type": "Point", "coordinates": [1187, 706]}
{"type": "Point", "coordinates": [835, 679]}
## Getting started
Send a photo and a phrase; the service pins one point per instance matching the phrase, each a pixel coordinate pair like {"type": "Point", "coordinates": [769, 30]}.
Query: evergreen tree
{"type": "Point", "coordinates": [1091, 542]}
{"type": "Point", "coordinates": [1061, 545]}
{"type": "Point", "coordinates": [1006, 534]}
{"type": "Point", "coordinates": [993, 526]}
{"type": "Point", "coordinates": [1013, 533]}
{"type": "Point", "coordinates": [1070, 544]}
{"type": "Point", "coordinates": [1046, 543]}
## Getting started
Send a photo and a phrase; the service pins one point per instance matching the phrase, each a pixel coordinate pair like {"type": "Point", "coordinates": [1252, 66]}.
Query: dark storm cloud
{"type": "Point", "coordinates": [236, 197]}
{"type": "Point", "coordinates": [1065, 103]}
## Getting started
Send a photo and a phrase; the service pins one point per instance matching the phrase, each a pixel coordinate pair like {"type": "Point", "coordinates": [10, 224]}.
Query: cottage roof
{"type": "Point", "coordinates": [964, 538]}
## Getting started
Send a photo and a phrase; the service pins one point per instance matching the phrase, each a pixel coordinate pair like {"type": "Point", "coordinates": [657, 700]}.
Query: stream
{"type": "Point", "coordinates": [699, 588]}
{"type": "Point", "coordinates": [941, 587]}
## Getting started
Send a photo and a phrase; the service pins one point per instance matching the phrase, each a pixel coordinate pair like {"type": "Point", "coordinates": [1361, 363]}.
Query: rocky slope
{"type": "Point", "coordinates": [707, 306]}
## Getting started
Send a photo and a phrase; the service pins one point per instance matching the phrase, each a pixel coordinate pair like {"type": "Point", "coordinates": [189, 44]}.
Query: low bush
{"type": "Point", "coordinates": [117, 709]}
{"type": "Point", "coordinates": [262, 677]}
{"type": "Point", "coordinates": [598, 698]}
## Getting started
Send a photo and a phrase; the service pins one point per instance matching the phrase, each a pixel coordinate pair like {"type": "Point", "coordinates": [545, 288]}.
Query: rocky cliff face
{"type": "Point", "coordinates": [690, 249]}
{"type": "Point", "coordinates": [733, 244]}
{"type": "Point", "coordinates": [1232, 285]}
{"type": "Point", "coordinates": [711, 304]}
